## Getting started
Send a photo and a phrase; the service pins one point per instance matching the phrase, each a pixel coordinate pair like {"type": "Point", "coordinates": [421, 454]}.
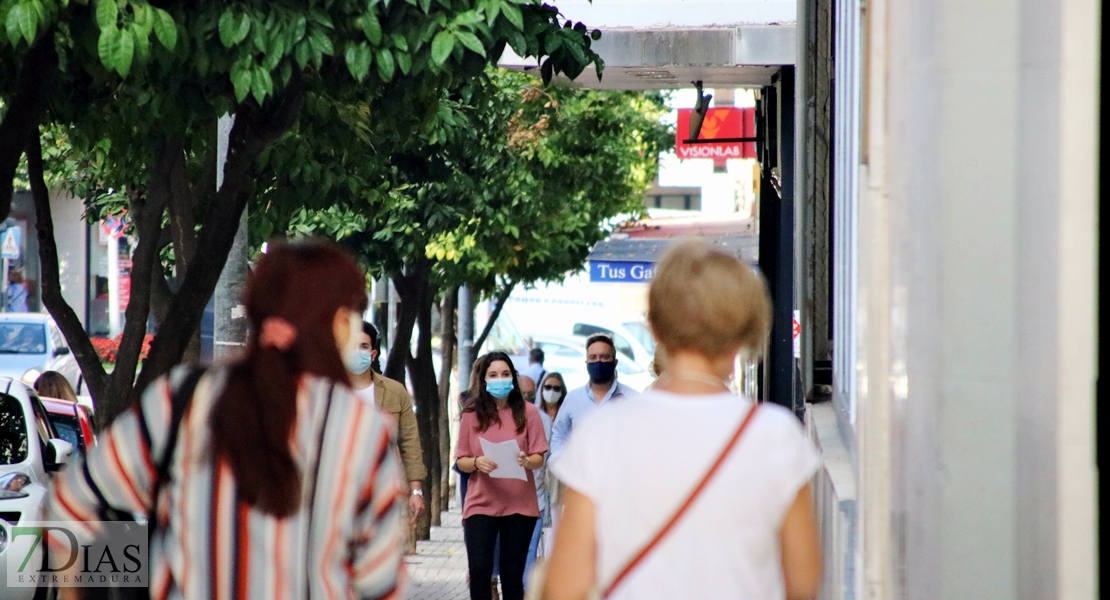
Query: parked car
{"type": "Point", "coordinates": [567, 356]}
{"type": "Point", "coordinates": [31, 343]}
{"type": "Point", "coordinates": [72, 421]}
{"type": "Point", "coordinates": [628, 335]}
{"type": "Point", "coordinates": [30, 451]}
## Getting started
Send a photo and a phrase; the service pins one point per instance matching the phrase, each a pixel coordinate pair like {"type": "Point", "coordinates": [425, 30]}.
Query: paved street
{"type": "Point", "coordinates": [438, 569]}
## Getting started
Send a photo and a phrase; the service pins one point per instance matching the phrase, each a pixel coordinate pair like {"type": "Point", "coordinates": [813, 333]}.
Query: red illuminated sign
{"type": "Point", "coordinates": [724, 122]}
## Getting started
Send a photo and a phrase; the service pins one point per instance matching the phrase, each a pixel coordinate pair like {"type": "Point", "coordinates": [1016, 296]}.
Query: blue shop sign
{"type": "Point", "coordinates": [614, 271]}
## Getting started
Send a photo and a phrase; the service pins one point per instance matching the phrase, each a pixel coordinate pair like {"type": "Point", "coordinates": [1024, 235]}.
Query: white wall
{"type": "Point", "coordinates": [976, 285]}
{"type": "Point", "coordinates": [70, 233]}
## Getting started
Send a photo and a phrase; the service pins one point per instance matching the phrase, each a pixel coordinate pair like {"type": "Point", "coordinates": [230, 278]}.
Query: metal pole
{"type": "Point", "coordinates": [466, 337]}
{"type": "Point", "coordinates": [4, 292]}
{"type": "Point", "coordinates": [230, 323]}
{"type": "Point", "coordinates": [379, 314]}
{"type": "Point", "coordinates": [114, 327]}
{"type": "Point", "coordinates": [776, 240]}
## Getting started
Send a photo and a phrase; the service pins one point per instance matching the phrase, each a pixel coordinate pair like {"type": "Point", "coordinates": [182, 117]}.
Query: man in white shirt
{"type": "Point", "coordinates": [535, 370]}
{"type": "Point", "coordinates": [601, 363]}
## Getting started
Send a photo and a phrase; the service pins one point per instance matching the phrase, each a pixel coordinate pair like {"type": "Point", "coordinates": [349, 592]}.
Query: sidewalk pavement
{"type": "Point", "coordinates": [438, 569]}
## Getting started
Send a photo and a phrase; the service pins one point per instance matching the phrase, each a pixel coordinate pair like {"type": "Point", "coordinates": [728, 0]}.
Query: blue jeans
{"type": "Point", "coordinates": [534, 547]}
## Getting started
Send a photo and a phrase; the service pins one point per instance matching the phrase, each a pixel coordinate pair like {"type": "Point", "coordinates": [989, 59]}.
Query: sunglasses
{"type": "Point", "coordinates": [552, 388]}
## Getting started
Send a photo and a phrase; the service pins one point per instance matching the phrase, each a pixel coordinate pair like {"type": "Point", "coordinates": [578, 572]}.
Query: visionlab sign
{"type": "Point", "coordinates": [614, 271]}
{"type": "Point", "coordinates": [724, 122]}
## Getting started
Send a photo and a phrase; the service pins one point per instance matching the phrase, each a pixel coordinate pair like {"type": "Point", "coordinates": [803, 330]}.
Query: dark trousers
{"type": "Point", "coordinates": [481, 533]}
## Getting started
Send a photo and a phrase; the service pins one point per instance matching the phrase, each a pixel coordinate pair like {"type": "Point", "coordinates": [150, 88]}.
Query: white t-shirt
{"type": "Point", "coordinates": [639, 461]}
{"type": "Point", "coordinates": [367, 395]}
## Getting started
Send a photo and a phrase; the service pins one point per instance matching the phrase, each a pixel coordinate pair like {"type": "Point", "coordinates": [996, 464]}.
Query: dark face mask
{"type": "Point", "coordinates": [601, 372]}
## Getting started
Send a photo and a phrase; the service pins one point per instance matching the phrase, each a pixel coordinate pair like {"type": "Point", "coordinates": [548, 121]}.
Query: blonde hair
{"type": "Point", "coordinates": [659, 360]}
{"type": "Point", "coordinates": [706, 300]}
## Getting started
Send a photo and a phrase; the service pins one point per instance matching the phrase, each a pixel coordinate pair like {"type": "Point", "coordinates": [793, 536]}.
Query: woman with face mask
{"type": "Point", "coordinates": [497, 506]}
{"type": "Point", "coordinates": [392, 397]}
{"type": "Point", "coordinates": [266, 477]}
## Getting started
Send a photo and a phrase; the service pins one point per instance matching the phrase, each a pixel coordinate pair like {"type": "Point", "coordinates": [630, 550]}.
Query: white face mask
{"type": "Point", "coordinates": [551, 396]}
{"type": "Point", "coordinates": [349, 352]}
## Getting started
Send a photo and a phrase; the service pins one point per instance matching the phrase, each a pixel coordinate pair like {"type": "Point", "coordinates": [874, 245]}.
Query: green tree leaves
{"type": "Point", "coordinates": [116, 48]}
{"type": "Point", "coordinates": [471, 41]}
{"type": "Point", "coordinates": [442, 45]}
{"type": "Point", "coordinates": [233, 28]}
{"type": "Point", "coordinates": [371, 28]}
{"type": "Point", "coordinates": [358, 57]}
{"type": "Point", "coordinates": [165, 29]}
{"type": "Point", "coordinates": [385, 64]}
{"type": "Point", "coordinates": [107, 12]}
{"type": "Point", "coordinates": [514, 181]}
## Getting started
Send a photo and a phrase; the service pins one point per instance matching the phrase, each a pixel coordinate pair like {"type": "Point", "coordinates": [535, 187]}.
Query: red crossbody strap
{"type": "Point", "coordinates": [632, 564]}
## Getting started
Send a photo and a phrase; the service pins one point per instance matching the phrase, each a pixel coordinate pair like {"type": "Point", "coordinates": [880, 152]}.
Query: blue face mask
{"type": "Point", "coordinates": [358, 362]}
{"type": "Point", "coordinates": [499, 388]}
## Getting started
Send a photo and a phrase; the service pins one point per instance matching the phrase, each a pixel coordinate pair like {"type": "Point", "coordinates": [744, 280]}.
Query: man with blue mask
{"type": "Point", "coordinates": [393, 399]}
{"type": "Point", "coordinates": [601, 364]}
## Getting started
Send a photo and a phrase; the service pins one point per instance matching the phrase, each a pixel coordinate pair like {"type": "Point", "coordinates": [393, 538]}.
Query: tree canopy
{"type": "Point", "coordinates": [127, 94]}
{"type": "Point", "coordinates": [513, 186]}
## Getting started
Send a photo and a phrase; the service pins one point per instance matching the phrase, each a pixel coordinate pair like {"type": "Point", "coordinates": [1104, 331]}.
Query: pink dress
{"type": "Point", "coordinates": [494, 497]}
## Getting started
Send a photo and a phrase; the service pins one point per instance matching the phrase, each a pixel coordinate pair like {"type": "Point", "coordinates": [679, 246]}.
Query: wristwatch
{"type": "Point", "coordinates": [418, 492]}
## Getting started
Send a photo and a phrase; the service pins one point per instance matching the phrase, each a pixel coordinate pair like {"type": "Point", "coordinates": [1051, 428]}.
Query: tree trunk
{"type": "Point", "coordinates": [110, 392]}
{"type": "Point", "coordinates": [146, 211]}
{"type": "Point", "coordinates": [255, 128]}
{"type": "Point", "coordinates": [87, 358]}
{"type": "Point", "coordinates": [19, 129]}
{"type": "Point", "coordinates": [426, 393]}
{"type": "Point", "coordinates": [502, 298]}
{"type": "Point", "coordinates": [448, 343]}
{"type": "Point", "coordinates": [408, 288]}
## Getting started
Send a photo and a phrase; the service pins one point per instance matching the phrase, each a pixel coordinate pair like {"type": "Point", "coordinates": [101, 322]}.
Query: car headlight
{"type": "Point", "coordinates": [12, 484]}
{"type": "Point", "coordinates": [31, 376]}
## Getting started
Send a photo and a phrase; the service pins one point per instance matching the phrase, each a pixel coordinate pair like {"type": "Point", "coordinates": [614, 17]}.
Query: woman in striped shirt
{"type": "Point", "coordinates": [281, 483]}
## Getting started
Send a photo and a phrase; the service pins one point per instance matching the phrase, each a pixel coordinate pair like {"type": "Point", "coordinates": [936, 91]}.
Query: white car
{"type": "Point", "coordinates": [31, 343]}
{"type": "Point", "coordinates": [30, 450]}
{"type": "Point", "coordinates": [632, 337]}
{"type": "Point", "coordinates": [567, 357]}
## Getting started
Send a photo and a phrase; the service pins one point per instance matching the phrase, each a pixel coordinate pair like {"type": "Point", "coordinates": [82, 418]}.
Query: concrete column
{"type": "Point", "coordinates": [466, 337]}
{"type": "Point", "coordinates": [114, 317]}
{"type": "Point", "coordinates": [380, 314]}
{"type": "Point", "coordinates": [812, 158]}
{"type": "Point", "coordinates": [230, 323]}
{"type": "Point", "coordinates": [977, 285]}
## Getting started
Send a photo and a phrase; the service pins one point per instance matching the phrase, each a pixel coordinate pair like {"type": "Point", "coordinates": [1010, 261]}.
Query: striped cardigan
{"type": "Point", "coordinates": [345, 542]}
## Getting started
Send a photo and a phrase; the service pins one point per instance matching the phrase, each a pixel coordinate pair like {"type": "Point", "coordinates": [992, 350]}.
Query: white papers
{"type": "Point", "coordinates": [504, 454]}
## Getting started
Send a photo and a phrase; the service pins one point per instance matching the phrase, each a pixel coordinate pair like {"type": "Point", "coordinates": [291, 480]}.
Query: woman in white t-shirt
{"type": "Point", "coordinates": [749, 533]}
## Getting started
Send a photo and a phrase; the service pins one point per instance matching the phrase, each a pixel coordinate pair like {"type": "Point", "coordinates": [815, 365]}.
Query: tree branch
{"type": "Point", "coordinates": [160, 295]}
{"type": "Point", "coordinates": [147, 210]}
{"type": "Point", "coordinates": [501, 299]}
{"type": "Point", "coordinates": [254, 129]}
{"type": "Point", "coordinates": [64, 316]}
{"type": "Point", "coordinates": [408, 288]}
{"type": "Point", "coordinates": [20, 125]}
{"type": "Point", "coordinates": [183, 207]}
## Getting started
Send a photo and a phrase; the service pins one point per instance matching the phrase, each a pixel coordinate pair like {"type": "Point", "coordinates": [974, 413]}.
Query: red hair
{"type": "Point", "coordinates": [304, 283]}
